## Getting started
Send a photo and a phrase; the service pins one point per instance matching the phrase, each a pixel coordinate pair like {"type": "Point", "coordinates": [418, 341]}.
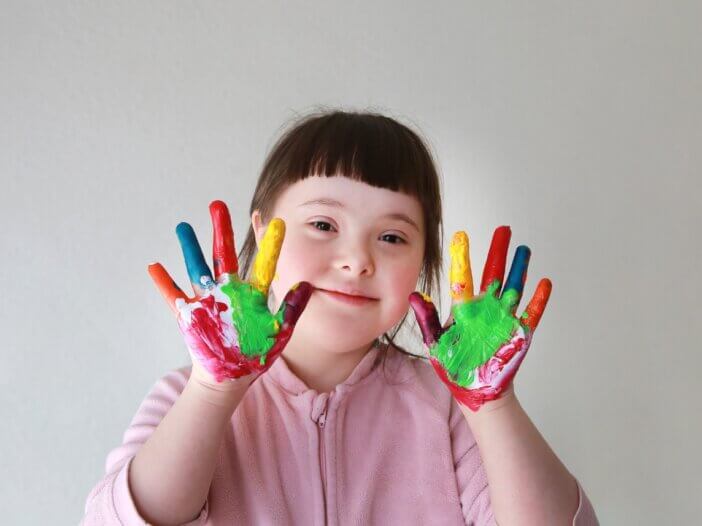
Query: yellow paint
{"type": "Point", "coordinates": [426, 297]}
{"type": "Point", "coordinates": [460, 275]}
{"type": "Point", "coordinates": [267, 257]}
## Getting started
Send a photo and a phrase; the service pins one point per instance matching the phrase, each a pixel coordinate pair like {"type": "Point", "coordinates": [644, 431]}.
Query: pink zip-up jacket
{"type": "Point", "coordinates": [387, 446]}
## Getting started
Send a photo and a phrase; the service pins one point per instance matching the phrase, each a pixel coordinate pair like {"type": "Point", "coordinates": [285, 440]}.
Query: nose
{"type": "Point", "coordinates": [356, 260]}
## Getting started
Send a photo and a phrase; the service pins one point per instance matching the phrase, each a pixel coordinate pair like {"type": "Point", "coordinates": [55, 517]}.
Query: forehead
{"type": "Point", "coordinates": [352, 194]}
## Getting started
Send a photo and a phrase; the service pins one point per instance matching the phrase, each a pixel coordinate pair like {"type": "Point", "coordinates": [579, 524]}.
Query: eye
{"type": "Point", "coordinates": [324, 226]}
{"type": "Point", "coordinates": [392, 239]}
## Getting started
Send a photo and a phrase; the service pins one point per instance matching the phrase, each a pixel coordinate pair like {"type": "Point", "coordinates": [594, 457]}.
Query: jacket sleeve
{"type": "Point", "coordinates": [471, 477]}
{"type": "Point", "coordinates": [473, 483]}
{"type": "Point", "coordinates": [110, 502]}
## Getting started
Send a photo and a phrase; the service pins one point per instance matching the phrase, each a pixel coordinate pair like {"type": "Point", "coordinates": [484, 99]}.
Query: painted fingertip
{"type": "Point", "coordinates": [276, 223]}
{"type": "Point", "coordinates": [183, 228]}
{"type": "Point", "coordinates": [419, 297]}
{"type": "Point", "coordinates": [518, 272]}
{"type": "Point", "coordinates": [459, 237]}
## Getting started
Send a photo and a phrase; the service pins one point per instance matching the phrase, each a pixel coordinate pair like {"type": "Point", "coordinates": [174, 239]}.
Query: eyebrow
{"type": "Point", "coordinates": [325, 201]}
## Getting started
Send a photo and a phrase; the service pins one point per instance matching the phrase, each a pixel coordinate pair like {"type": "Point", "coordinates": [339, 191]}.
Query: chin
{"type": "Point", "coordinates": [338, 331]}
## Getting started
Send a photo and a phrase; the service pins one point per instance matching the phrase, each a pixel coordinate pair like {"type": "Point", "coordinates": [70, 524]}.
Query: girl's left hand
{"type": "Point", "coordinates": [480, 348]}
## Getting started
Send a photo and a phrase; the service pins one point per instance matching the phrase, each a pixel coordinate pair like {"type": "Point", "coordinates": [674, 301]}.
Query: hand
{"type": "Point", "coordinates": [227, 326]}
{"type": "Point", "coordinates": [480, 348]}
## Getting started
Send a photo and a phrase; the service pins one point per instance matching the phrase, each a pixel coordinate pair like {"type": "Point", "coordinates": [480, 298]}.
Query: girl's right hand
{"type": "Point", "coordinates": [227, 326]}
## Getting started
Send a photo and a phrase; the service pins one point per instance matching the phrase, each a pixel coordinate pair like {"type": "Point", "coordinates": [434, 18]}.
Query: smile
{"type": "Point", "coordinates": [349, 299]}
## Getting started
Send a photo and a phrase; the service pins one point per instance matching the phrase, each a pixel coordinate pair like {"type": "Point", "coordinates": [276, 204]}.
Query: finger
{"type": "Point", "coordinates": [461, 278]}
{"type": "Point", "coordinates": [537, 305]}
{"type": "Point", "coordinates": [267, 257]}
{"type": "Point", "coordinates": [427, 317]}
{"type": "Point", "coordinates": [223, 250]}
{"type": "Point", "coordinates": [294, 303]}
{"type": "Point", "coordinates": [168, 288]}
{"type": "Point", "coordinates": [494, 270]}
{"type": "Point", "coordinates": [514, 286]}
{"type": "Point", "coordinates": [292, 307]}
{"type": "Point", "coordinates": [198, 271]}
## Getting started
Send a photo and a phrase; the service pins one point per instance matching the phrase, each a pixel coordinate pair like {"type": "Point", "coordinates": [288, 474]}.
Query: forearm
{"type": "Point", "coordinates": [528, 482]}
{"type": "Point", "coordinates": [171, 474]}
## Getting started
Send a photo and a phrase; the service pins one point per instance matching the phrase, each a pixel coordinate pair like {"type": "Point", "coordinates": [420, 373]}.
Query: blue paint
{"type": "Point", "coordinates": [198, 271]}
{"type": "Point", "coordinates": [517, 275]}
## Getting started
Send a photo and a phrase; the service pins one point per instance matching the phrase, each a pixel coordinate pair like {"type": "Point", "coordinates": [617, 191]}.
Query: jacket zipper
{"type": "Point", "coordinates": [322, 456]}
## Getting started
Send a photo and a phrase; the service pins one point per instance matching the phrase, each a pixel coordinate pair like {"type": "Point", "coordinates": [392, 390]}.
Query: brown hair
{"type": "Point", "coordinates": [363, 146]}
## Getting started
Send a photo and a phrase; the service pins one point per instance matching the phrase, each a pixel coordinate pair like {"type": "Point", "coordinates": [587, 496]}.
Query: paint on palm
{"type": "Point", "coordinates": [478, 354]}
{"type": "Point", "coordinates": [227, 326]}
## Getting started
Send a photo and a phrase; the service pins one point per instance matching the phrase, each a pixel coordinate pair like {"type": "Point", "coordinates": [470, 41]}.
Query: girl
{"type": "Point", "coordinates": [344, 426]}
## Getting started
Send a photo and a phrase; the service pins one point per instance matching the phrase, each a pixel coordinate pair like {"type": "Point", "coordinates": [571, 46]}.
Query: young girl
{"type": "Point", "coordinates": [344, 426]}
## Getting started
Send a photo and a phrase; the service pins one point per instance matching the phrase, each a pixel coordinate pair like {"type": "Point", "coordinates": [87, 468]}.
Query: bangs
{"type": "Point", "coordinates": [365, 147]}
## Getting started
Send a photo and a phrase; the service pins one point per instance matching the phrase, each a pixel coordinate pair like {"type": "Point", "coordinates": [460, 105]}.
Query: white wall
{"type": "Point", "coordinates": [578, 123]}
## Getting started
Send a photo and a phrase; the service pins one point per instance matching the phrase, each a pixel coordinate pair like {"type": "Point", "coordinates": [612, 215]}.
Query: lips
{"type": "Point", "coordinates": [349, 293]}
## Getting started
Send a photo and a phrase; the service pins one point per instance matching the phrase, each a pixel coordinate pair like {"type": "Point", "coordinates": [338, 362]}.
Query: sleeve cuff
{"type": "Point", "coordinates": [125, 508]}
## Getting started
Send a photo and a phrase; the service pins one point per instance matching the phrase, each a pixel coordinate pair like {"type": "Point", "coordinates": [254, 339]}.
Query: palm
{"type": "Point", "coordinates": [480, 350]}
{"type": "Point", "coordinates": [227, 326]}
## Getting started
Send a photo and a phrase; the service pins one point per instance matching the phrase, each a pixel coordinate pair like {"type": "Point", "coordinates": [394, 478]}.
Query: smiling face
{"type": "Point", "coordinates": [361, 247]}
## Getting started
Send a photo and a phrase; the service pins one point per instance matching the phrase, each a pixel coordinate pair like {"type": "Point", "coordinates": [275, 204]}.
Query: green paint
{"type": "Point", "coordinates": [256, 326]}
{"type": "Point", "coordinates": [481, 327]}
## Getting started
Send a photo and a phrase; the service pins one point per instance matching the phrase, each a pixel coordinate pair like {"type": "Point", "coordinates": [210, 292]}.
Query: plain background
{"type": "Point", "coordinates": [577, 123]}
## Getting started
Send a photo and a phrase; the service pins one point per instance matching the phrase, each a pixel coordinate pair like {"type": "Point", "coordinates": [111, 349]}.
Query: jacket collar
{"type": "Point", "coordinates": [281, 374]}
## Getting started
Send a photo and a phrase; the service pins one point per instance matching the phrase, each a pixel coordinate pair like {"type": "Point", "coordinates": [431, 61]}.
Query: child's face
{"type": "Point", "coordinates": [347, 236]}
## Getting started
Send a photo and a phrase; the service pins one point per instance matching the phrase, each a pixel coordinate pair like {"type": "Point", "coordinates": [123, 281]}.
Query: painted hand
{"type": "Point", "coordinates": [480, 348]}
{"type": "Point", "coordinates": [227, 326]}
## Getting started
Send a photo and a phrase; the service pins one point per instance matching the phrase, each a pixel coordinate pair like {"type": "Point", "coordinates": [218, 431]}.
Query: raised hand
{"type": "Point", "coordinates": [227, 326]}
{"type": "Point", "coordinates": [480, 348]}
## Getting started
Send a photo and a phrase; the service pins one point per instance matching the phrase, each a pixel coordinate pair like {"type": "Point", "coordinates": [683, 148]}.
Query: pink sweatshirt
{"type": "Point", "coordinates": [384, 447]}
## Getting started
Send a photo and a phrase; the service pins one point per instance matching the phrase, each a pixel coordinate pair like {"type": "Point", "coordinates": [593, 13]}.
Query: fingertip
{"type": "Point", "coordinates": [277, 224]}
{"type": "Point", "coordinates": [217, 204]}
{"type": "Point", "coordinates": [304, 287]}
{"type": "Point", "coordinates": [547, 286]}
{"type": "Point", "coordinates": [524, 250]}
{"type": "Point", "coordinates": [460, 237]}
{"type": "Point", "coordinates": [183, 228]}
{"type": "Point", "coordinates": [419, 299]}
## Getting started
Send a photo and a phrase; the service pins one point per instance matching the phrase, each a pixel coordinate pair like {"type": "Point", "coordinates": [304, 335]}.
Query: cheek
{"type": "Point", "coordinates": [400, 283]}
{"type": "Point", "coordinates": [294, 265]}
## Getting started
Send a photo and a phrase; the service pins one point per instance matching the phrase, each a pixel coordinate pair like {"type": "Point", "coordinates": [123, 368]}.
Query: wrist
{"type": "Point", "coordinates": [506, 401]}
{"type": "Point", "coordinates": [219, 393]}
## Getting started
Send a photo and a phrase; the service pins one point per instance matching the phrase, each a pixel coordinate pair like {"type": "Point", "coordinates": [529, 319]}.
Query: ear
{"type": "Point", "coordinates": [258, 226]}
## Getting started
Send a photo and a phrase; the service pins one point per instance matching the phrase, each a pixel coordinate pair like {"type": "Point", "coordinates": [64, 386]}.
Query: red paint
{"type": "Point", "coordinates": [204, 337]}
{"type": "Point", "coordinates": [495, 373]}
{"type": "Point", "coordinates": [223, 251]}
{"type": "Point", "coordinates": [497, 258]}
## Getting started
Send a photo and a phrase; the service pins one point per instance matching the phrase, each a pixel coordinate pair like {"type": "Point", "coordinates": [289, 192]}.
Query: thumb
{"type": "Point", "coordinates": [291, 307]}
{"type": "Point", "coordinates": [427, 317]}
{"type": "Point", "coordinates": [294, 303]}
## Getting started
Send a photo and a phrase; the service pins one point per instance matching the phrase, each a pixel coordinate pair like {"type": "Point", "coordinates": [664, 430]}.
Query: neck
{"type": "Point", "coordinates": [320, 369]}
